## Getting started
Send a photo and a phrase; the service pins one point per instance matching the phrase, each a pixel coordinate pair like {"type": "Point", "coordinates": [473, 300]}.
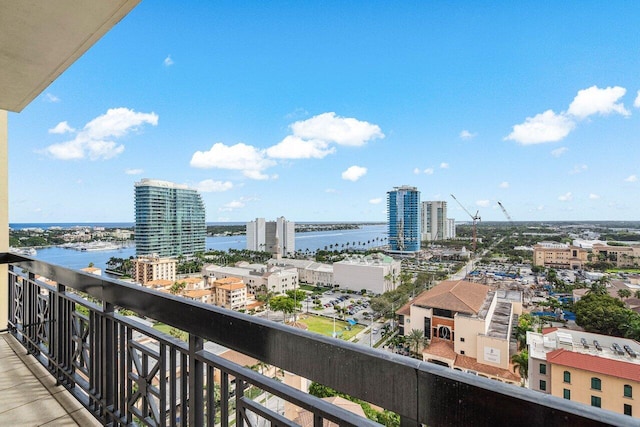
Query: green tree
{"type": "Point", "coordinates": [177, 288]}
{"type": "Point", "coordinates": [624, 293]}
{"type": "Point", "coordinates": [416, 340]}
{"type": "Point", "coordinates": [284, 304]}
{"type": "Point", "coordinates": [521, 364]}
{"type": "Point", "coordinates": [603, 314]}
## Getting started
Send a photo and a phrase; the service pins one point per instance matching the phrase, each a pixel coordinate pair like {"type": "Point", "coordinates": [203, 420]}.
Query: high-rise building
{"type": "Point", "coordinates": [433, 220]}
{"type": "Point", "coordinates": [170, 219]}
{"type": "Point", "coordinates": [403, 217]}
{"type": "Point", "coordinates": [277, 236]}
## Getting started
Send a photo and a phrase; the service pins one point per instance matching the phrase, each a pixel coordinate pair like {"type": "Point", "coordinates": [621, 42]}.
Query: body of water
{"type": "Point", "coordinates": [363, 237]}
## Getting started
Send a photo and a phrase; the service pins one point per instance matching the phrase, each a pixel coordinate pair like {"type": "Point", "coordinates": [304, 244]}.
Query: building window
{"type": "Point", "coordinates": [596, 401]}
{"type": "Point", "coordinates": [543, 385]}
{"type": "Point", "coordinates": [462, 352]}
{"type": "Point", "coordinates": [628, 390]}
{"type": "Point", "coordinates": [596, 384]}
{"type": "Point", "coordinates": [543, 369]}
{"type": "Point", "coordinates": [461, 339]}
{"type": "Point", "coordinates": [567, 377]}
{"type": "Point", "coordinates": [627, 410]}
{"type": "Point", "coordinates": [566, 393]}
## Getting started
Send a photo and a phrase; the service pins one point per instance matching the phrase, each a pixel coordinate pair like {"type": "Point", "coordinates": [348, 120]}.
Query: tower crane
{"type": "Point", "coordinates": [505, 212]}
{"type": "Point", "coordinates": [475, 218]}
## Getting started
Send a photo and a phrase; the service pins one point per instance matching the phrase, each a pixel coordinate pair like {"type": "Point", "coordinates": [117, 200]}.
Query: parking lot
{"type": "Point", "coordinates": [331, 303]}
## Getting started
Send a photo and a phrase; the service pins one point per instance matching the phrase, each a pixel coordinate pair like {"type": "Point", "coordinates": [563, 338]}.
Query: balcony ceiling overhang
{"type": "Point", "coordinates": [39, 40]}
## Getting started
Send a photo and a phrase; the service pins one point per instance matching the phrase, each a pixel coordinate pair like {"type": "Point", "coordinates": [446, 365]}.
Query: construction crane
{"type": "Point", "coordinates": [475, 218]}
{"type": "Point", "coordinates": [505, 212]}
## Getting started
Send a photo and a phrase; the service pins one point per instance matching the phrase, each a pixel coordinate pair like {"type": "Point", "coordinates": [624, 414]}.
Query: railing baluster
{"type": "Point", "coordinates": [196, 417]}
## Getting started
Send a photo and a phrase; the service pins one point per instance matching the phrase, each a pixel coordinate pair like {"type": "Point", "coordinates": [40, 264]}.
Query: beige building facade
{"type": "Point", "coordinates": [620, 256]}
{"type": "Point", "coordinates": [150, 268]}
{"type": "Point", "coordinates": [468, 325]}
{"type": "Point", "coordinates": [592, 369]}
{"type": "Point", "coordinates": [231, 293]}
{"type": "Point", "coordinates": [559, 255]}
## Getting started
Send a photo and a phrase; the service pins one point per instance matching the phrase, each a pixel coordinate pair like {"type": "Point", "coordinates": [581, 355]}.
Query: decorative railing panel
{"type": "Point", "coordinates": [127, 373]}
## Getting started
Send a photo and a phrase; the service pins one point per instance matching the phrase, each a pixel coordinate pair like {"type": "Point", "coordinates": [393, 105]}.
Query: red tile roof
{"type": "Point", "coordinates": [454, 295]}
{"type": "Point", "coordinates": [600, 365]}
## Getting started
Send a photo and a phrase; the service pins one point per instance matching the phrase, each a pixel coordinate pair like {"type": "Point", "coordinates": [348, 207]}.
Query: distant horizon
{"type": "Point", "coordinates": [85, 223]}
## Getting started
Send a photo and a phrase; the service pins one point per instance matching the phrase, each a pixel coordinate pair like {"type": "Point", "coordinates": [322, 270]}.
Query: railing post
{"type": "Point", "coordinates": [30, 306]}
{"type": "Point", "coordinates": [60, 340]}
{"type": "Point", "coordinates": [108, 342]}
{"type": "Point", "coordinates": [196, 383]}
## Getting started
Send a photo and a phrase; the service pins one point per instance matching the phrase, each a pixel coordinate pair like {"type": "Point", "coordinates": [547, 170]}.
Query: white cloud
{"type": "Point", "coordinates": [483, 203]}
{"type": "Point", "coordinates": [417, 171]}
{"type": "Point", "coordinates": [52, 98]}
{"type": "Point", "coordinates": [168, 61]}
{"type": "Point", "coordinates": [504, 184]}
{"type": "Point", "coordinates": [594, 100]}
{"type": "Point", "coordinates": [636, 103]}
{"type": "Point", "coordinates": [376, 201]}
{"type": "Point", "coordinates": [565, 197]}
{"type": "Point", "coordinates": [593, 196]}
{"type": "Point", "coordinates": [62, 127]}
{"type": "Point", "coordinates": [631, 178]}
{"type": "Point", "coordinates": [234, 204]}
{"type": "Point", "coordinates": [465, 134]}
{"type": "Point", "coordinates": [134, 171]}
{"type": "Point", "coordinates": [294, 147]}
{"type": "Point", "coordinates": [92, 141]}
{"type": "Point", "coordinates": [444, 165]}
{"type": "Point", "coordinates": [354, 173]}
{"type": "Point", "coordinates": [341, 130]}
{"type": "Point", "coordinates": [577, 169]}
{"type": "Point", "coordinates": [246, 158]}
{"type": "Point", "coordinates": [544, 127]}
{"type": "Point", "coordinates": [428, 171]}
{"type": "Point", "coordinates": [211, 186]}
{"type": "Point", "coordinates": [559, 151]}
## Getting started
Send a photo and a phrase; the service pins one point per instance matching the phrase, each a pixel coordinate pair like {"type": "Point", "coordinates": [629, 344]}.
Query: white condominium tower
{"type": "Point", "coordinates": [170, 219]}
{"type": "Point", "coordinates": [433, 218]}
{"type": "Point", "coordinates": [277, 236]}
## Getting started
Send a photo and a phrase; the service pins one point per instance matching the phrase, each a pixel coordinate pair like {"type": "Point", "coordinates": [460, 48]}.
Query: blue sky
{"type": "Point", "coordinates": [314, 110]}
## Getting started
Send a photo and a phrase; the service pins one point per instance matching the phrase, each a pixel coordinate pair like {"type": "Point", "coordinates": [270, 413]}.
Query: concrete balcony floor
{"type": "Point", "coordinates": [29, 395]}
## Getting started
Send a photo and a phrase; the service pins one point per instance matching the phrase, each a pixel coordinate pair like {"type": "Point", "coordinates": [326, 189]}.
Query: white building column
{"type": "Point", "coordinates": [4, 219]}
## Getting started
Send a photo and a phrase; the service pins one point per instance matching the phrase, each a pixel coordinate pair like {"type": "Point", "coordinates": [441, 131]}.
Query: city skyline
{"type": "Point", "coordinates": [315, 111]}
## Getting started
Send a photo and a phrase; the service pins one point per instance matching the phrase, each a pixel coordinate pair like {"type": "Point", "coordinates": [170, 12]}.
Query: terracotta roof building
{"type": "Point", "coordinates": [592, 369]}
{"type": "Point", "coordinates": [468, 327]}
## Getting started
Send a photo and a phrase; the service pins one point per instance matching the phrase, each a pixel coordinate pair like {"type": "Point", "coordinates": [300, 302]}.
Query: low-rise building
{"type": "Point", "coordinates": [376, 273]}
{"type": "Point", "coordinates": [258, 278]}
{"type": "Point", "coordinates": [592, 369]}
{"type": "Point", "coordinates": [309, 272]}
{"type": "Point", "coordinates": [559, 255]}
{"type": "Point", "coordinates": [468, 325]}
{"type": "Point", "coordinates": [231, 293]}
{"type": "Point", "coordinates": [149, 268]}
{"type": "Point", "coordinates": [621, 256]}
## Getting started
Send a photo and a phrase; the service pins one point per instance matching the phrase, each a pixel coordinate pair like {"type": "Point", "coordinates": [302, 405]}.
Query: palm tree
{"type": "Point", "coordinates": [624, 293]}
{"type": "Point", "coordinates": [416, 340]}
{"type": "Point", "coordinates": [521, 364]}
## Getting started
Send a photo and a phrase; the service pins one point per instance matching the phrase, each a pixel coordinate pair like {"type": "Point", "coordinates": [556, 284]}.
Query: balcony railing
{"type": "Point", "coordinates": [127, 373]}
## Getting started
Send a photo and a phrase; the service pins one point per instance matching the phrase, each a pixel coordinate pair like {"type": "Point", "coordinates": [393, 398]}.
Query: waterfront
{"type": "Point", "coordinates": [311, 241]}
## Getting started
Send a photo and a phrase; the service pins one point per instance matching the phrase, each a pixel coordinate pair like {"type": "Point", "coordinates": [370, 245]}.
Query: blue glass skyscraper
{"type": "Point", "coordinates": [403, 219]}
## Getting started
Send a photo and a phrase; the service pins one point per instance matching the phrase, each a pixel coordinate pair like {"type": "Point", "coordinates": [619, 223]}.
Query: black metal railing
{"type": "Point", "coordinates": [128, 373]}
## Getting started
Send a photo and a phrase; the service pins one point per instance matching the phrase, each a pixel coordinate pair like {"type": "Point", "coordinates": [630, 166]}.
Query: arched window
{"type": "Point", "coordinates": [628, 390]}
{"type": "Point", "coordinates": [596, 384]}
{"type": "Point", "coordinates": [567, 377]}
{"type": "Point", "coordinates": [444, 332]}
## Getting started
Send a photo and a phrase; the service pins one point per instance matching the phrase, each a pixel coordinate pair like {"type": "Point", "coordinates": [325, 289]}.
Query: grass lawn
{"type": "Point", "coordinates": [324, 326]}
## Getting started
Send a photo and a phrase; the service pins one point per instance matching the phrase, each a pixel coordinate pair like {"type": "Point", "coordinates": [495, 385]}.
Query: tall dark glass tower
{"type": "Point", "coordinates": [403, 221]}
{"type": "Point", "coordinates": [170, 219]}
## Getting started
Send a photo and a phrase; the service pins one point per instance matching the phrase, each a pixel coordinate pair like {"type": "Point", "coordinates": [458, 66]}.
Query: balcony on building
{"type": "Point", "coordinates": [72, 353]}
